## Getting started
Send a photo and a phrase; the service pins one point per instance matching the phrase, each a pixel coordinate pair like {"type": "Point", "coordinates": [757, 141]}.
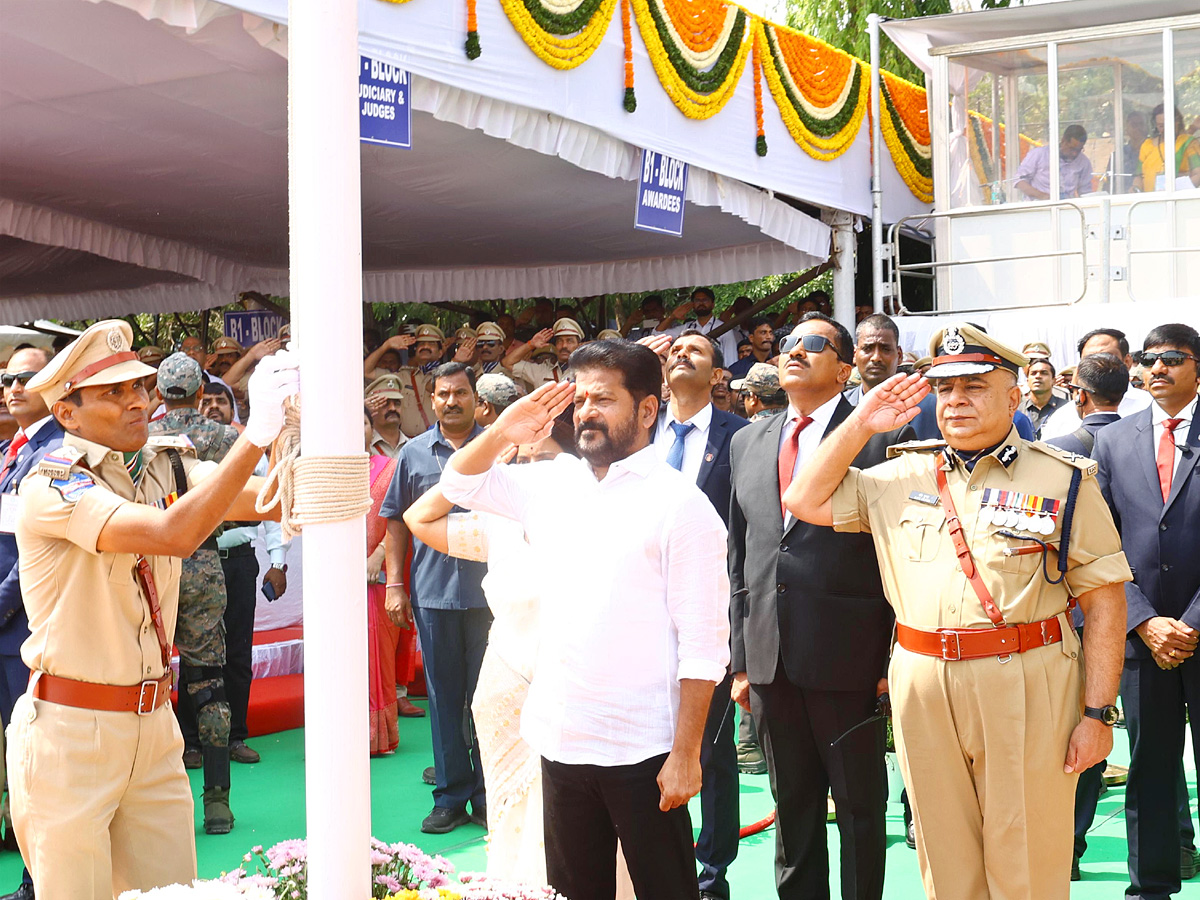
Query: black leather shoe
{"type": "Point", "coordinates": [239, 752]}
{"type": "Point", "coordinates": [1189, 863]}
{"type": "Point", "coordinates": [429, 776]}
{"type": "Point", "coordinates": [1075, 876]}
{"type": "Point", "coordinates": [192, 759]}
{"type": "Point", "coordinates": [479, 816]}
{"type": "Point", "coordinates": [24, 892]}
{"type": "Point", "coordinates": [443, 820]}
{"type": "Point", "coordinates": [910, 836]}
{"type": "Point", "coordinates": [709, 895]}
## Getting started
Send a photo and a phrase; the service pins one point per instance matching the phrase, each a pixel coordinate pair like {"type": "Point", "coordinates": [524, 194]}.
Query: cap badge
{"type": "Point", "coordinates": [952, 342]}
{"type": "Point", "coordinates": [114, 340]}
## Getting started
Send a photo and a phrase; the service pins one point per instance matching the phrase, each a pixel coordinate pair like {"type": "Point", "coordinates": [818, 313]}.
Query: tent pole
{"type": "Point", "coordinates": [325, 247]}
{"type": "Point", "coordinates": [844, 245]}
{"type": "Point", "coordinates": [880, 290]}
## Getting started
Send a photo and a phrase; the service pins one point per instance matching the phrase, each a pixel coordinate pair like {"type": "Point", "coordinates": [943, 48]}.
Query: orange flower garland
{"type": "Point", "coordinates": [626, 35]}
{"type": "Point", "coordinates": [760, 140]}
{"type": "Point", "coordinates": [473, 48]}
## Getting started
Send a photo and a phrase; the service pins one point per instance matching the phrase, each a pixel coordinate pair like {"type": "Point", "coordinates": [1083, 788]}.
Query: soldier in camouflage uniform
{"type": "Point", "coordinates": [200, 632]}
{"type": "Point", "coordinates": [761, 392]}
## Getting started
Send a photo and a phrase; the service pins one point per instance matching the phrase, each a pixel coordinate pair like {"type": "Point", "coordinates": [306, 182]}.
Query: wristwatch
{"type": "Point", "coordinates": [1106, 714]}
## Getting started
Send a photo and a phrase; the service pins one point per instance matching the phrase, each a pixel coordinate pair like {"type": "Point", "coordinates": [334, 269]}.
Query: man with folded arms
{"type": "Point", "coordinates": [651, 622]}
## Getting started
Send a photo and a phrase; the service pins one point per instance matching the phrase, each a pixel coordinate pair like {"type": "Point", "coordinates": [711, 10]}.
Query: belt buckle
{"type": "Point", "coordinates": [222, 553]}
{"type": "Point", "coordinates": [948, 652]}
{"type": "Point", "coordinates": [1045, 633]}
{"type": "Point", "coordinates": [141, 704]}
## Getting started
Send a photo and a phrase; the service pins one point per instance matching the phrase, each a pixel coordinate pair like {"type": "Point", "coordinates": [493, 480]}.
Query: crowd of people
{"type": "Point", "coordinates": [1006, 519]}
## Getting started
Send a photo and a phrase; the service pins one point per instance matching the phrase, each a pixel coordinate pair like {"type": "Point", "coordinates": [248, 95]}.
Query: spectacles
{"type": "Point", "coordinates": [487, 343]}
{"type": "Point", "coordinates": [812, 343]}
{"type": "Point", "coordinates": [1073, 388]}
{"type": "Point", "coordinates": [7, 379]}
{"type": "Point", "coordinates": [1170, 358]}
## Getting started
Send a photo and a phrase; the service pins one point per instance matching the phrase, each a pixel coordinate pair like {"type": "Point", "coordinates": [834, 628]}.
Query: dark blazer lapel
{"type": "Point", "coordinates": [717, 437]}
{"type": "Point", "coordinates": [1187, 462]}
{"type": "Point", "coordinates": [1145, 452]}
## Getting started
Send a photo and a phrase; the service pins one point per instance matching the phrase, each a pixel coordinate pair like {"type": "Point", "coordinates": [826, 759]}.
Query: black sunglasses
{"type": "Point", "coordinates": [487, 343]}
{"type": "Point", "coordinates": [1170, 358]}
{"type": "Point", "coordinates": [812, 343]}
{"type": "Point", "coordinates": [7, 379]}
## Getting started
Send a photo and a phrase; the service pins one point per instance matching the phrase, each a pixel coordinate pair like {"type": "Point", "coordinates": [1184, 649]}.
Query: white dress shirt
{"type": "Point", "coordinates": [1158, 417]}
{"type": "Point", "coordinates": [635, 597]}
{"type": "Point", "coordinates": [1065, 419]}
{"type": "Point", "coordinates": [810, 437]}
{"type": "Point", "coordinates": [693, 444]}
{"type": "Point", "coordinates": [727, 342]}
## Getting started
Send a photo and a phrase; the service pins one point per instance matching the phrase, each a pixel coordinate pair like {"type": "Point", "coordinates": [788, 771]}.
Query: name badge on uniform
{"type": "Point", "coordinates": [927, 499]}
{"type": "Point", "coordinates": [10, 509]}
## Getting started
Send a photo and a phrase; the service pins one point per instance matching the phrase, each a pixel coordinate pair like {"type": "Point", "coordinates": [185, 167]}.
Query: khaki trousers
{"type": "Point", "coordinates": [981, 746]}
{"type": "Point", "coordinates": [100, 800]}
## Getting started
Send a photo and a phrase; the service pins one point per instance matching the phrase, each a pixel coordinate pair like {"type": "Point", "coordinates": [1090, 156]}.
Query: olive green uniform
{"type": "Point", "coordinates": [982, 742]}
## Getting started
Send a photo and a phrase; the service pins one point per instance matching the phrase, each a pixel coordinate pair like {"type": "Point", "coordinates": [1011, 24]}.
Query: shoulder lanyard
{"type": "Point", "coordinates": [412, 376]}
{"type": "Point", "coordinates": [965, 561]}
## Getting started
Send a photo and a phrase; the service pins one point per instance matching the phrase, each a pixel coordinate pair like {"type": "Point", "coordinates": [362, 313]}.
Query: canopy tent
{"type": "Point", "coordinates": [143, 165]}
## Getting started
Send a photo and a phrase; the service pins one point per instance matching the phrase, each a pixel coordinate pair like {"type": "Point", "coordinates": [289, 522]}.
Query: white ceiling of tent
{"type": "Point", "coordinates": [129, 147]}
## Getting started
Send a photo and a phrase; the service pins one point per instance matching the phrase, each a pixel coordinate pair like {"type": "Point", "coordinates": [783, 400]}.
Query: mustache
{"type": "Point", "coordinates": [683, 361]}
{"type": "Point", "coordinates": [598, 427]}
{"type": "Point", "coordinates": [391, 414]}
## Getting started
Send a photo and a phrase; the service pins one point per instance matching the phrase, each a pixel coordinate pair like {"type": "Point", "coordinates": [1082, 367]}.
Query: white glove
{"type": "Point", "coordinates": [275, 378]}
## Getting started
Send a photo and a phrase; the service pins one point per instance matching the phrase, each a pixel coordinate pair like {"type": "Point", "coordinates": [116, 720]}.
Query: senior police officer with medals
{"type": "Point", "coordinates": [101, 803]}
{"type": "Point", "coordinates": [983, 541]}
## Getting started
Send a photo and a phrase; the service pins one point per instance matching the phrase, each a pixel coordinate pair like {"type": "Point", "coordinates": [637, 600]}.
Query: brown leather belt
{"type": "Point", "coordinates": [142, 699]}
{"type": "Point", "coordinates": [979, 643]}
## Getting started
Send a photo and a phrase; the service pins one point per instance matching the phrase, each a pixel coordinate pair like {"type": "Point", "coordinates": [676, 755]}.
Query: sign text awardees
{"type": "Point", "coordinates": [661, 191]}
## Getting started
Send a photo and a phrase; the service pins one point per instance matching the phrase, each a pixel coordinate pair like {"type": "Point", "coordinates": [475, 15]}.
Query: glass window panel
{"type": "Point", "coordinates": [1108, 88]}
{"type": "Point", "coordinates": [1186, 75]}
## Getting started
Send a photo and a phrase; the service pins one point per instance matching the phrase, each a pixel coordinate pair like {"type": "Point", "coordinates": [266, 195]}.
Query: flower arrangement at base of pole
{"type": "Point", "coordinates": [398, 872]}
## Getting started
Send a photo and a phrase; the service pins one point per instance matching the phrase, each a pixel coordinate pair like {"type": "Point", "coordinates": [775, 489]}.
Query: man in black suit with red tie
{"type": "Point", "coordinates": [811, 630]}
{"type": "Point", "coordinates": [693, 436]}
{"type": "Point", "coordinates": [1150, 476]}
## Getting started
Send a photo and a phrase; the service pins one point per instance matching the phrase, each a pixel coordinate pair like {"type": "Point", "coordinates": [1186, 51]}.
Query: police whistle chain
{"type": "Point", "coordinates": [312, 490]}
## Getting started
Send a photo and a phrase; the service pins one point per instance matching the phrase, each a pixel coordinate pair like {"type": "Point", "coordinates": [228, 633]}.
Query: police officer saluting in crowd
{"type": "Point", "coordinates": [101, 803]}
{"type": "Point", "coordinates": [982, 541]}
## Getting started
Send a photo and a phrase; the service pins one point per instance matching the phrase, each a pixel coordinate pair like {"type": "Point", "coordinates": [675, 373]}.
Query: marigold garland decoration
{"type": "Point", "coordinates": [820, 91]}
{"type": "Point", "coordinates": [562, 33]}
{"type": "Point", "coordinates": [979, 143]}
{"type": "Point", "coordinates": [904, 122]}
{"type": "Point", "coordinates": [760, 139]}
{"type": "Point", "coordinates": [473, 49]}
{"type": "Point", "coordinates": [698, 48]}
{"type": "Point", "coordinates": [627, 37]}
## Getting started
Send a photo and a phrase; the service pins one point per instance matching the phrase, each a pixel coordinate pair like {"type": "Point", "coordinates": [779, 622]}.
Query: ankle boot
{"type": "Point", "coordinates": [218, 817]}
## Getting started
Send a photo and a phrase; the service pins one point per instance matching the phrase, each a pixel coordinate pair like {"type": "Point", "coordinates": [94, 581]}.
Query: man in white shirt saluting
{"type": "Point", "coordinates": [651, 622]}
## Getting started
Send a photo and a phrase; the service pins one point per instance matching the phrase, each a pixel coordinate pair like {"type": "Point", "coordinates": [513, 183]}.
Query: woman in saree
{"type": "Point", "coordinates": [382, 635]}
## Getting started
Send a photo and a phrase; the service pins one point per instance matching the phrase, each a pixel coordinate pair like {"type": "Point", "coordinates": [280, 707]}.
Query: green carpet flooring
{"type": "Point", "coordinates": [268, 801]}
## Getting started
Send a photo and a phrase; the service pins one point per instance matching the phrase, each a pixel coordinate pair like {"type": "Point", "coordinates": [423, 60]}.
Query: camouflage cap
{"type": "Point", "coordinates": [179, 376]}
{"type": "Point", "coordinates": [762, 380]}
{"type": "Point", "coordinates": [498, 390]}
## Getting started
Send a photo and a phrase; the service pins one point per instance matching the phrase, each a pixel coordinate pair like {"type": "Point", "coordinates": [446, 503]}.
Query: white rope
{"type": "Point", "coordinates": [312, 490]}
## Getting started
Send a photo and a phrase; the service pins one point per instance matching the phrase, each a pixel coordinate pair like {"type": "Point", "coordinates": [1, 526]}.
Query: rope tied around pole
{"type": "Point", "coordinates": [312, 490]}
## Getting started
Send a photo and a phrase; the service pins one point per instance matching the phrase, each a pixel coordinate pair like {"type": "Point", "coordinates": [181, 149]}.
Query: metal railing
{"type": "Point", "coordinates": [1167, 202]}
{"type": "Point", "coordinates": [928, 269]}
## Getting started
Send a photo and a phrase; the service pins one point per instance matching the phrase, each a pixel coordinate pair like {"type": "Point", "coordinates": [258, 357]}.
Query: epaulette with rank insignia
{"type": "Point", "coordinates": [1082, 463]}
{"type": "Point", "coordinates": [914, 447]}
{"type": "Point", "coordinates": [58, 465]}
{"type": "Point", "coordinates": [172, 441]}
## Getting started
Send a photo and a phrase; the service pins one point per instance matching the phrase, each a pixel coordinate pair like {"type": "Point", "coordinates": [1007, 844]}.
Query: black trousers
{"type": "Point", "coordinates": [586, 808]}
{"type": "Point", "coordinates": [1155, 702]}
{"type": "Point", "coordinates": [241, 588]}
{"type": "Point", "coordinates": [798, 729]}
{"type": "Point", "coordinates": [720, 816]}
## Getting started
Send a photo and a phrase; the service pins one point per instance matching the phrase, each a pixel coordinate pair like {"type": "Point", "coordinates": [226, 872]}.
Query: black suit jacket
{"type": "Point", "coordinates": [14, 625]}
{"type": "Point", "coordinates": [812, 596]}
{"type": "Point", "coordinates": [713, 477]}
{"type": "Point", "coordinates": [1091, 424]}
{"type": "Point", "coordinates": [1159, 539]}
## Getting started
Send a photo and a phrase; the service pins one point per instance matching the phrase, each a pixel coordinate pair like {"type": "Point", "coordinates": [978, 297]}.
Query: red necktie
{"type": "Point", "coordinates": [1166, 456]}
{"type": "Point", "coordinates": [787, 456]}
{"type": "Point", "coordinates": [21, 440]}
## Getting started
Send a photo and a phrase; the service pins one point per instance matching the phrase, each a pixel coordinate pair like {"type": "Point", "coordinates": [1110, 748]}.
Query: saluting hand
{"type": "Point", "coordinates": [531, 418]}
{"type": "Point", "coordinates": [894, 403]}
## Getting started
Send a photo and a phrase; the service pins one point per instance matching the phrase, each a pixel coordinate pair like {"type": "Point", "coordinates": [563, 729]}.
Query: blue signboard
{"type": "Point", "coordinates": [249, 326]}
{"type": "Point", "coordinates": [660, 194]}
{"type": "Point", "coordinates": [384, 108]}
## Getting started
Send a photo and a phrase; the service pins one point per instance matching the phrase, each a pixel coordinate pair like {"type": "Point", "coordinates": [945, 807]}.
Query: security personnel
{"type": "Point", "coordinates": [200, 633]}
{"type": "Point", "coordinates": [101, 803]}
{"type": "Point", "coordinates": [987, 682]}
{"type": "Point", "coordinates": [761, 393]}
{"type": "Point", "coordinates": [384, 399]}
{"type": "Point", "coordinates": [565, 337]}
{"type": "Point", "coordinates": [489, 344]}
{"type": "Point", "coordinates": [416, 381]}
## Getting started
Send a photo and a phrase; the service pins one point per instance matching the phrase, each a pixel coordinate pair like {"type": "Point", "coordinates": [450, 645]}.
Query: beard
{"type": "Point", "coordinates": [600, 447]}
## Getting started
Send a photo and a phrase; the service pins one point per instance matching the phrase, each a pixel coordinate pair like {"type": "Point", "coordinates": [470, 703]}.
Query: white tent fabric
{"type": "Point", "coordinates": [149, 137]}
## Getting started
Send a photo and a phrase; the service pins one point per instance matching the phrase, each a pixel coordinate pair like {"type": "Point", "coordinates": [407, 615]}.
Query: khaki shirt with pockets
{"type": "Point", "coordinates": [921, 575]}
{"type": "Point", "coordinates": [88, 619]}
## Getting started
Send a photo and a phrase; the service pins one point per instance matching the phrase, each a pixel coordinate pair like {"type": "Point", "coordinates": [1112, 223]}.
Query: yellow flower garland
{"type": "Point", "coordinates": [560, 52]}
{"type": "Point", "coordinates": [691, 103]}
{"type": "Point", "coordinates": [921, 187]}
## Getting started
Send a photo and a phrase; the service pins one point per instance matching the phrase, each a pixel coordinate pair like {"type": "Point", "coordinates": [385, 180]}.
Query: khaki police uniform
{"type": "Point", "coordinates": [416, 386]}
{"type": "Point", "coordinates": [101, 803]}
{"type": "Point", "coordinates": [490, 331]}
{"type": "Point", "coordinates": [982, 742]}
{"type": "Point", "coordinates": [535, 374]}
